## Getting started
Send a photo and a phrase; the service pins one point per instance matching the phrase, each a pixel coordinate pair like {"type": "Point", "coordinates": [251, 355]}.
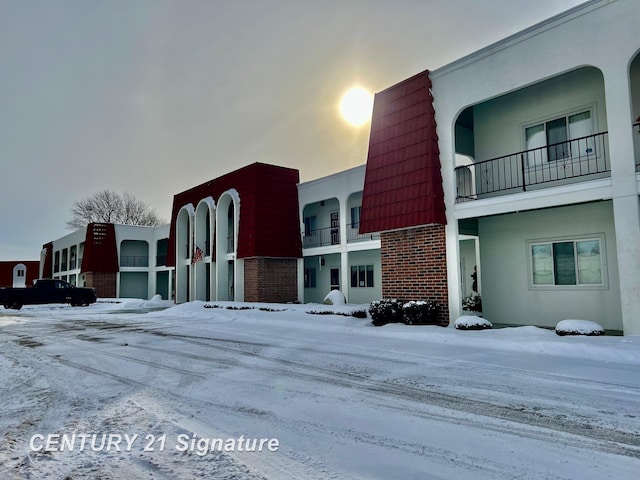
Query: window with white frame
{"type": "Point", "coordinates": [563, 136]}
{"type": "Point", "coordinates": [578, 262]}
{"type": "Point", "coordinates": [362, 276]}
{"type": "Point", "coordinates": [20, 273]}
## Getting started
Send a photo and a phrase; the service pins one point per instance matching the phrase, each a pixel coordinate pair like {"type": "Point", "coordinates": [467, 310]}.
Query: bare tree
{"type": "Point", "coordinates": [107, 206]}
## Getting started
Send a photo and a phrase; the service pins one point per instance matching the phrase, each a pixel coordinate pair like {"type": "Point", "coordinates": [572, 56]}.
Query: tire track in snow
{"type": "Point", "coordinates": [615, 441]}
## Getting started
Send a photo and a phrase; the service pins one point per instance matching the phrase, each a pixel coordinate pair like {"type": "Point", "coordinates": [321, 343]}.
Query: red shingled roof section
{"type": "Point", "coordinates": [6, 271]}
{"type": "Point", "coordinates": [100, 250]}
{"type": "Point", "coordinates": [403, 183]}
{"type": "Point", "coordinates": [269, 225]}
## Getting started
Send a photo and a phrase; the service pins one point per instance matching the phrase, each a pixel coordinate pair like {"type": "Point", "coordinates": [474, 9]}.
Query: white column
{"type": "Point", "coordinates": [344, 256]}
{"type": "Point", "coordinates": [626, 209]}
{"type": "Point", "coordinates": [301, 298]}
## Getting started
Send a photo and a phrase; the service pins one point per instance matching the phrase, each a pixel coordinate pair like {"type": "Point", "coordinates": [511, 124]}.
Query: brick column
{"type": "Point", "coordinates": [103, 282]}
{"type": "Point", "coordinates": [414, 266]}
{"type": "Point", "coordinates": [273, 280]}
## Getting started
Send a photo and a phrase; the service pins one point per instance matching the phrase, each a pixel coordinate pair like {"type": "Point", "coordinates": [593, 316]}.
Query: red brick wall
{"type": "Point", "coordinates": [270, 279]}
{"type": "Point", "coordinates": [414, 266]}
{"type": "Point", "coordinates": [104, 283]}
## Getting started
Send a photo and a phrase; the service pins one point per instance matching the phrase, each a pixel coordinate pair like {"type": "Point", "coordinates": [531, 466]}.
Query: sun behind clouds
{"type": "Point", "coordinates": [356, 106]}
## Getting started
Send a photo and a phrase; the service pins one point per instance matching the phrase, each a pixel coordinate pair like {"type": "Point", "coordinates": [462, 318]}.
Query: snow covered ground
{"type": "Point", "coordinates": [150, 393]}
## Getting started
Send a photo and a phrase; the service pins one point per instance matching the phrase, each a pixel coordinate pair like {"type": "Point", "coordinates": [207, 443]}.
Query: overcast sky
{"type": "Point", "coordinates": [152, 97]}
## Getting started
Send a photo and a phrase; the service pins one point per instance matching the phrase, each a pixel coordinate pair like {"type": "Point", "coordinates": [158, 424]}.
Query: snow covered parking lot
{"type": "Point", "coordinates": [192, 392]}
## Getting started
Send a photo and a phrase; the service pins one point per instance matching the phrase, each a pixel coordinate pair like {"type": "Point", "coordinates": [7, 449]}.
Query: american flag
{"type": "Point", "coordinates": [197, 255]}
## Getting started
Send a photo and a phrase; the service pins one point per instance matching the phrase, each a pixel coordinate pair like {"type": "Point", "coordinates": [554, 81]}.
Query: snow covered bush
{"type": "Point", "coordinates": [359, 313]}
{"type": "Point", "coordinates": [579, 327]}
{"type": "Point", "coordinates": [472, 322]}
{"type": "Point", "coordinates": [420, 312]}
{"type": "Point", "coordinates": [472, 302]}
{"type": "Point", "coordinates": [335, 297]}
{"type": "Point", "coordinates": [388, 310]}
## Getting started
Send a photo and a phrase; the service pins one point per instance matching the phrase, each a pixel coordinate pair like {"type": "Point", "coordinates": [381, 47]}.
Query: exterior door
{"type": "Point", "coordinates": [335, 279]}
{"type": "Point", "coordinates": [335, 228]}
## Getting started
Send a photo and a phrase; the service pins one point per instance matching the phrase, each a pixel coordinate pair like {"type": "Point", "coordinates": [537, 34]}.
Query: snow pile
{"type": "Point", "coordinates": [335, 297]}
{"type": "Point", "coordinates": [579, 327]}
{"type": "Point", "coordinates": [472, 322]}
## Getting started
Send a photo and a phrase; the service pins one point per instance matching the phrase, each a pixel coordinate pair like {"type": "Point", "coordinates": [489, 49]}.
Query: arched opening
{"type": "Point", "coordinates": [550, 133]}
{"type": "Point", "coordinates": [19, 275]}
{"type": "Point", "coordinates": [321, 223]}
{"type": "Point", "coordinates": [202, 261]}
{"type": "Point", "coordinates": [226, 241]}
{"type": "Point", "coordinates": [183, 247]}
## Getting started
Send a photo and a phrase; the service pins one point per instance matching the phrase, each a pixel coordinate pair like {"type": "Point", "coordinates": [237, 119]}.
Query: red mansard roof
{"type": "Point", "coordinates": [100, 250]}
{"type": "Point", "coordinates": [403, 183]}
{"type": "Point", "coordinates": [269, 225]}
{"type": "Point", "coordinates": [6, 271]}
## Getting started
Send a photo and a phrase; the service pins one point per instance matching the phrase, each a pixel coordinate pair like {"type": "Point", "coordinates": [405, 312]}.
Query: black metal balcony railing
{"type": "Point", "coordinates": [551, 165]}
{"type": "Point", "coordinates": [134, 261]}
{"type": "Point", "coordinates": [161, 260]}
{"type": "Point", "coordinates": [321, 237]}
{"type": "Point", "coordinates": [56, 268]}
{"type": "Point", "coordinates": [354, 235]}
{"type": "Point", "coordinates": [72, 265]}
{"type": "Point", "coordinates": [230, 245]}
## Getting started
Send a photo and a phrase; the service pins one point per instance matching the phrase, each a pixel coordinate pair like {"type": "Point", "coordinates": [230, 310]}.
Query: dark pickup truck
{"type": "Point", "coordinates": [47, 290]}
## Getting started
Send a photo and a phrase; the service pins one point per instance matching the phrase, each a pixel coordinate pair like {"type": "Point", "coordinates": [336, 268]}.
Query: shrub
{"type": "Point", "coordinates": [472, 302]}
{"type": "Point", "coordinates": [385, 311]}
{"type": "Point", "coordinates": [471, 322]}
{"type": "Point", "coordinates": [354, 313]}
{"type": "Point", "coordinates": [420, 312]}
{"type": "Point", "coordinates": [359, 314]}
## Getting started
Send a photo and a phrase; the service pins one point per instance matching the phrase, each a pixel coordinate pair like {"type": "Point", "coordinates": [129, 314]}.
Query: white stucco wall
{"type": "Point", "coordinates": [599, 33]}
{"type": "Point", "coordinates": [506, 290]}
{"type": "Point", "coordinates": [367, 294]}
{"type": "Point", "coordinates": [499, 123]}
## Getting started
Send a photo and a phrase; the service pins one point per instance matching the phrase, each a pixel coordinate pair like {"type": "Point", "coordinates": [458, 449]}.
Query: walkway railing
{"type": "Point", "coordinates": [547, 166]}
{"type": "Point", "coordinates": [134, 261]}
{"type": "Point", "coordinates": [321, 237]}
{"type": "Point", "coordinates": [354, 235]}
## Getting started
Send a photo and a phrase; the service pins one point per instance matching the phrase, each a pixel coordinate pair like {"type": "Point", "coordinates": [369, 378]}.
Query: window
{"type": "Point", "coordinates": [571, 262]}
{"type": "Point", "coordinates": [355, 217]}
{"type": "Point", "coordinates": [309, 225]}
{"type": "Point", "coordinates": [309, 278]}
{"type": "Point", "coordinates": [362, 276]}
{"type": "Point", "coordinates": [20, 273]}
{"type": "Point", "coordinates": [563, 137]}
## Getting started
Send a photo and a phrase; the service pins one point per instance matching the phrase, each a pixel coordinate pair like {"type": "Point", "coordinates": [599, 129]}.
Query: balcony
{"type": "Point", "coordinates": [562, 163]}
{"type": "Point", "coordinates": [134, 261]}
{"type": "Point", "coordinates": [321, 237]}
{"type": "Point", "coordinates": [354, 235]}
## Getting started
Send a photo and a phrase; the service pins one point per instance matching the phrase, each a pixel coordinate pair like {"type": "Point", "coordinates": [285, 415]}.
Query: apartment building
{"type": "Point", "coordinates": [236, 237]}
{"type": "Point", "coordinates": [336, 255]}
{"type": "Point", "coordinates": [126, 261]}
{"type": "Point", "coordinates": [534, 141]}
